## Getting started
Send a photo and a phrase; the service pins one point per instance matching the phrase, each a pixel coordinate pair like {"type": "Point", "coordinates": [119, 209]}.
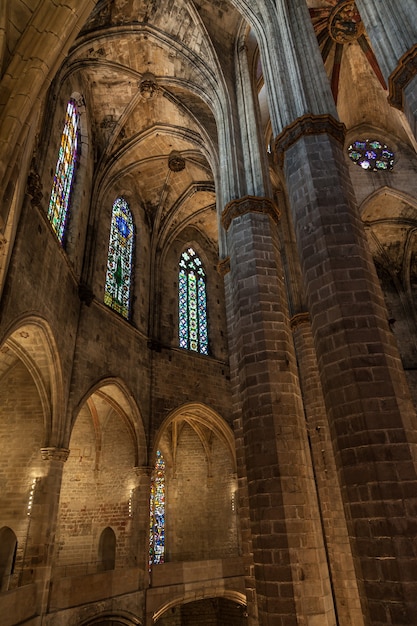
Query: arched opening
{"type": "Point", "coordinates": [98, 480]}
{"type": "Point", "coordinates": [205, 612]}
{"type": "Point", "coordinates": [8, 549]}
{"type": "Point", "coordinates": [107, 549]}
{"type": "Point", "coordinates": [200, 513]}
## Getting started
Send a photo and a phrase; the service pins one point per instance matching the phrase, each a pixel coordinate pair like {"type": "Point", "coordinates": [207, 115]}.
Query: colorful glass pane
{"type": "Point", "coordinates": [192, 314]}
{"type": "Point", "coordinates": [157, 512]}
{"type": "Point", "coordinates": [119, 259]}
{"type": "Point", "coordinates": [64, 172]}
{"type": "Point", "coordinates": [371, 155]}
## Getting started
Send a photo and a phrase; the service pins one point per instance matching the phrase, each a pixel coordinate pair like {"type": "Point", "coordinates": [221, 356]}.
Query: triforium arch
{"type": "Point", "coordinates": [31, 341]}
{"type": "Point", "coordinates": [114, 394]}
{"type": "Point", "coordinates": [116, 618]}
{"type": "Point", "coordinates": [237, 597]}
{"type": "Point", "coordinates": [200, 476]}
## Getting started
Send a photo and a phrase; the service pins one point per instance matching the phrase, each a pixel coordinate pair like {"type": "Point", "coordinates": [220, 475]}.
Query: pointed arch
{"type": "Point", "coordinates": [31, 340]}
{"type": "Point", "coordinates": [192, 303]}
{"type": "Point", "coordinates": [119, 271]}
{"type": "Point", "coordinates": [118, 397]}
{"type": "Point", "coordinates": [65, 168]}
{"type": "Point", "coordinates": [192, 595]}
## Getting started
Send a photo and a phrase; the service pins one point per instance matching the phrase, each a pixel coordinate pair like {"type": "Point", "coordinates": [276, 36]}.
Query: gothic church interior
{"type": "Point", "coordinates": [208, 283]}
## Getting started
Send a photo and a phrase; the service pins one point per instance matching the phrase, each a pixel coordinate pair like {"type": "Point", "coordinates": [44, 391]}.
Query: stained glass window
{"type": "Point", "coordinates": [192, 303]}
{"type": "Point", "coordinates": [64, 171]}
{"type": "Point", "coordinates": [157, 512]}
{"type": "Point", "coordinates": [119, 259]}
{"type": "Point", "coordinates": [371, 155]}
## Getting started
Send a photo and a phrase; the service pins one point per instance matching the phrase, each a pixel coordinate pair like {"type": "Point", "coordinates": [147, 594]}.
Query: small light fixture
{"type": "Point", "coordinates": [148, 86]}
{"type": "Point", "coordinates": [31, 495]}
{"type": "Point", "coordinates": [176, 162]}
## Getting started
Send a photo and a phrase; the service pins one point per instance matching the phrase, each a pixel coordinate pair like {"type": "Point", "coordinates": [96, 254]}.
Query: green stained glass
{"type": "Point", "coordinates": [192, 310]}
{"type": "Point", "coordinates": [157, 512]}
{"type": "Point", "coordinates": [64, 172]}
{"type": "Point", "coordinates": [119, 259]}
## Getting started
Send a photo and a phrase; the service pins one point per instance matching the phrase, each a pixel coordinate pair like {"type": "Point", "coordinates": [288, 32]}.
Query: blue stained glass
{"type": "Point", "coordinates": [371, 155]}
{"type": "Point", "coordinates": [157, 512]}
{"type": "Point", "coordinates": [192, 303]}
{"type": "Point", "coordinates": [64, 172]}
{"type": "Point", "coordinates": [119, 259]}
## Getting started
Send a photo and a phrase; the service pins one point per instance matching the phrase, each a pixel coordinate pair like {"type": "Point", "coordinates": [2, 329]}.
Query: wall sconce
{"type": "Point", "coordinates": [31, 496]}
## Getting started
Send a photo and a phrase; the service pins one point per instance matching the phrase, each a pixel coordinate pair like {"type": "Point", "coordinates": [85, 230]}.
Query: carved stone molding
{"type": "Point", "coordinates": [307, 125]}
{"type": "Point", "coordinates": [248, 204]}
{"type": "Point", "coordinates": [55, 454]}
{"type": "Point", "coordinates": [401, 76]}
{"type": "Point", "coordinates": [34, 188]}
{"type": "Point", "coordinates": [299, 319]}
{"type": "Point", "coordinates": [176, 162]}
{"type": "Point", "coordinates": [223, 266]}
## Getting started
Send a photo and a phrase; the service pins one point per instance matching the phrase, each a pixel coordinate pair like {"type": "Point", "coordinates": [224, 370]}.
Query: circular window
{"type": "Point", "coordinates": [371, 155]}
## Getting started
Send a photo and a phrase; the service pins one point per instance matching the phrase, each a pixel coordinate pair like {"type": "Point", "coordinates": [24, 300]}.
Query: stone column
{"type": "Point", "coordinates": [341, 563]}
{"type": "Point", "coordinates": [392, 29]}
{"type": "Point", "coordinates": [43, 523]}
{"type": "Point", "coordinates": [372, 420]}
{"type": "Point", "coordinates": [290, 567]}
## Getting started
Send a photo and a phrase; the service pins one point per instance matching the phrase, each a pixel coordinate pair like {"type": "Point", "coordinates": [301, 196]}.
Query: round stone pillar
{"type": "Point", "coordinates": [290, 567]}
{"type": "Point", "coordinates": [372, 419]}
{"type": "Point", "coordinates": [392, 29]}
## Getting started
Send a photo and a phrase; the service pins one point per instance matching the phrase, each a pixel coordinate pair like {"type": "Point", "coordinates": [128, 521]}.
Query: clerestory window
{"type": "Point", "coordinates": [192, 303]}
{"type": "Point", "coordinates": [65, 171]}
{"type": "Point", "coordinates": [119, 259]}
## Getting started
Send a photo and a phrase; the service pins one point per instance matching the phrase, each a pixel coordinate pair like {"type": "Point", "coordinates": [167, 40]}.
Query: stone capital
{"type": "Point", "coordinates": [248, 204]}
{"type": "Point", "coordinates": [55, 454]}
{"type": "Point", "coordinates": [307, 125]}
{"type": "Point", "coordinates": [223, 266]}
{"type": "Point", "coordinates": [401, 77]}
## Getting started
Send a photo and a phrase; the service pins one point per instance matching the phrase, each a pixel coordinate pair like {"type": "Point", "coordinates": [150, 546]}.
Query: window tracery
{"type": "Point", "coordinates": [371, 155]}
{"type": "Point", "coordinates": [192, 305]}
{"type": "Point", "coordinates": [157, 512]}
{"type": "Point", "coordinates": [64, 171]}
{"type": "Point", "coordinates": [119, 259]}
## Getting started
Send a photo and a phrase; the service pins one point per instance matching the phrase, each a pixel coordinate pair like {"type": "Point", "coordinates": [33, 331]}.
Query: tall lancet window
{"type": "Point", "coordinates": [157, 512]}
{"type": "Point", "coordinates": [192, 302]}
{"type": "Point", "coordinates": [119, 259]}
{"type": "Point", "coordinates": [65, 171]}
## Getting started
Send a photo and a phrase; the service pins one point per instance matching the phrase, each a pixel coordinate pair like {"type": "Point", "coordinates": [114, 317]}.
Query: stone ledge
{"type": "Point", "coordinates": [401, 77]}
{"type": "Point", "coordinates": [307, 125]}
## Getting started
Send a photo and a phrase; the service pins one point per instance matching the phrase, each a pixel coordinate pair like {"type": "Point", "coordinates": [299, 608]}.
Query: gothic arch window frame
{"type": "Point", "coordinates": [192, 302]}
{"type": "Point", "coordinates": [107, 547]}
{"type": "Point", "coordinates": [120, 259]}
{"type": "Point", "coordinates": [69, 155]}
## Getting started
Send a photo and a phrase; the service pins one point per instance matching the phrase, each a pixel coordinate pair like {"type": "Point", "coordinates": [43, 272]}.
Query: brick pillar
{"type": "Point", "coordinates": [290, 567]}
{"type": "Point", "coordinates": [345, 587]}
{"type": "Point", "coordinates": [392, 29]}
{"type": "Point", "coordinates": [43, 516]}
{"type": "Point", "coordinates": [373, 423]}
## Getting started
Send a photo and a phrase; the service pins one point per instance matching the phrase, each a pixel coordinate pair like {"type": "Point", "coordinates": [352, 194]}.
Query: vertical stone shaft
{"type": "Point", "coordinates": [392, 29]}
{"type": "Point", "coordinates": [341, 563]}
{"type": "Point", "coordinates": [291, 572]}
{"type": "Point", "coordinates": [43, 523]}
{"type": "Point", "coordinates": [371, 415]}
{"type": "Point", "coordinates": [245, 532]}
